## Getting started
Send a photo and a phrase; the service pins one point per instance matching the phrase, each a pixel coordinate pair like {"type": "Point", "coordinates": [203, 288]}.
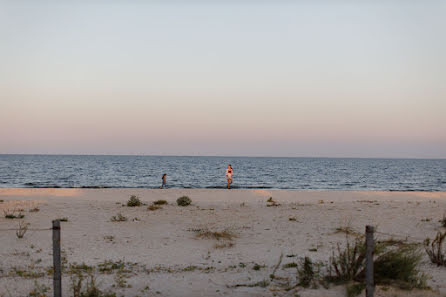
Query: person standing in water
{"type": "Point", "coordinates": [229, 173]}
{"type": "Point", "coordinates": [164, 184]}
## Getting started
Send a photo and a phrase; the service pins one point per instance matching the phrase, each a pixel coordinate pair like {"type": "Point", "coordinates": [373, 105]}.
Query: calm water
{"type": "Point", "coordinates": [38, 171]}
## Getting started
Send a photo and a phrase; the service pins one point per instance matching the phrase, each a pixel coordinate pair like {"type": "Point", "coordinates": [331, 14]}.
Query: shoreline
{"type": "Point", "coordinates": [223, 187]}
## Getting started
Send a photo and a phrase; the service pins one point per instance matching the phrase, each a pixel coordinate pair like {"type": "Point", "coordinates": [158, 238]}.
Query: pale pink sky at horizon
{"type": "Point", "coordinates": [342, 79]}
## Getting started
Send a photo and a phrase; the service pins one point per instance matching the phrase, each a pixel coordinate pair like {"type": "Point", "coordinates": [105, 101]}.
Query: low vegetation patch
{"type": "Point", "coordinates": [289, 265]}
{"type": "Point", "coordinates": [347, 264]}
{"type": "Point", "coordinates": [262, 284]}
{"type": "Point", "coordinates": [346, 228]}
{"type": "Point", "coordinates": [27, 272]}
{"type": "Point", "coordinates": [134, 201]}
{"type": "Point", "coordinates": [153, 207]}
{"type": "Point", "coordinates": [39, 290]}
{"type": "Point", "coordinates": [443, 221]}
{"type": "Point", "coordinates": [119, 218]}
{"type": "Point", "coordinates": [400, 266]}
{"type": "Point", "coordinates": [90, 289]}
{"type": "Point", "coordinates": [271, 202]}
{"type": "Point", "coordinates": [109, 238]}
{"type": "Point", "coordinates": [258, 267]}
{"type": "Point", "coordinates": [392, 265]}
{"type": "Point", "coordinates": [206, 233]}
{"type": "Point", "coordinates": [308, 273]}
{"type": "Point", "coordinates": [224, 245]}
{"type": "Point", "coordinates": [184, 201]}
{"type": "Point", "coordinates": [190, 268]}
{"type": "Point", "coordinates": [354, 289]}
{"type": "Point", "coordinates": [13, 214]}
{"type": "Point", "coordinates": [159, 202]}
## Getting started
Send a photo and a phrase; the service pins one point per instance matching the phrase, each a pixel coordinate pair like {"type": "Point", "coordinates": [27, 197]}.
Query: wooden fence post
{"type": "Point", "coordinates": [57, 280]}
{"type": "Point", "coordinates": [370, 246]}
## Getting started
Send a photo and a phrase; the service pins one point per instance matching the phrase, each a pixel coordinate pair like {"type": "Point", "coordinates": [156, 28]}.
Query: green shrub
{"type": "Point", "coordinates": [392, 265]}
{"type": "Point", "coordinates": [184, 201]}
{"type": "Point", "coordinates": [399, 266]}
{"type": "Point", "coordinates": [134, 201]}
{"type": "Point", "coordinates": [308, 273]}
{"type": "Point", "coordinates": [347, 264]}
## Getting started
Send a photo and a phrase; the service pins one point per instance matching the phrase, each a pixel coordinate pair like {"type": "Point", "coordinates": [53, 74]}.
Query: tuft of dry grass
{"type": "Point", "coordinates": [443, 221]}
{"type": "Point", "coordinates": [159, 202]}
{"type": "Point", "coordinates": [434, 249]}
{"type": "Point", "coordinates": [346, 228]}
{"type": "Point", "coordinates": [13, 213]}
{"type": "Point", "coordinates": [224, 245]}
{"type": "Point", "coordinates": [23, 227]}
{"type": "Point", "coordinates": [271, 202]}
{"type": "Point", "coordinates": [153, 207]}
{"type": "Point", "coordinates": [109, 238]}
{"type": "Point", "coordinates": [119, 218]}
{"type": "Point", "coordinates": [225, 234]}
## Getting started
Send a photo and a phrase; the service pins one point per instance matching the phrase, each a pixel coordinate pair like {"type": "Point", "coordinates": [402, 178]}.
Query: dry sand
{"type": "Point", "coordinates": [167, 259]}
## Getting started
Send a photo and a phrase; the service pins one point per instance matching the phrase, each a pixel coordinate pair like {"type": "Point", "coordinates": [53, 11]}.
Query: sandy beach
{"type": "Point", "coordinates": [162, 253]}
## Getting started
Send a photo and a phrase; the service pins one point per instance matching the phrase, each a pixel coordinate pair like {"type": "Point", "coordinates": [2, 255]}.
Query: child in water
{"type": "Point", "coordinates": [229, 173]}
{"type": "Point", "coordinates": [164, 184]}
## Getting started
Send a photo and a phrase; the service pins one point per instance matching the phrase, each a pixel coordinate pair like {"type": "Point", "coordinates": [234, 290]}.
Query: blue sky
{"type": "Point", "coordinates": [268, 78]}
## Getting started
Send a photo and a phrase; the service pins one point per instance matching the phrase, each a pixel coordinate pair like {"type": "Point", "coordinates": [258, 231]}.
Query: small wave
{"type": "Point", "coordinates": [66, 177]}
{"type": "Point", "coordinates": [239, 187]}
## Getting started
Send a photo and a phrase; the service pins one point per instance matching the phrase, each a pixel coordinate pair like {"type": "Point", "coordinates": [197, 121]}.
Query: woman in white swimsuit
{"type": "Point", "coordinates": [229, 173]}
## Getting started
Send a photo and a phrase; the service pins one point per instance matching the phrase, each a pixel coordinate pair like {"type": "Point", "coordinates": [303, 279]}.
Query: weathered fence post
{"type": "Point", "coordinates": [370, 246]}
{"type": "Point", "coordinates": [57, 280]}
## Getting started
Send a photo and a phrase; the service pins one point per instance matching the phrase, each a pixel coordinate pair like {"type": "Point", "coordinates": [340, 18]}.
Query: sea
{"type": "Point", "coordinates": [95, 171]}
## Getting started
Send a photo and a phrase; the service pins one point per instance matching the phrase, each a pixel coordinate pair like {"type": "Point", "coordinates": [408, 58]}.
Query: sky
{"type": "Point", "coordinates": [231, 78]}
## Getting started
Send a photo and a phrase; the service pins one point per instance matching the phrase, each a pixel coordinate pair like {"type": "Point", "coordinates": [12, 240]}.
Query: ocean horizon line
{"type": "Point", "coordinates": [225, 156]}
